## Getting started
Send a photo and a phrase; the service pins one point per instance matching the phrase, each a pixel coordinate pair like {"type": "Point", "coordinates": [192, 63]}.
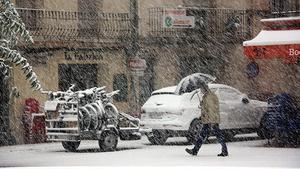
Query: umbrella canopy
{"type": "Point", "coordinates": [280, 38]}
{"type": "Point", "coordinates": [193, 81]}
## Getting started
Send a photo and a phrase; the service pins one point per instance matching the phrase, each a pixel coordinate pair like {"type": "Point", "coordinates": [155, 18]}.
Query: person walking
{"type": "Point", "coordinates": [210, 118]}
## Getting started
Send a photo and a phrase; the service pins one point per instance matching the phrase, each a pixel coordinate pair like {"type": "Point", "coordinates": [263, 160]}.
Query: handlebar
{"type": "Point", "coordinates": [98, 89]}
{"type": "Point", "coordinates": [80, 94]}
{"type": "Point", "coordinates": [111, 94]}
{"type": "Point", "coordinates": [71, 88]}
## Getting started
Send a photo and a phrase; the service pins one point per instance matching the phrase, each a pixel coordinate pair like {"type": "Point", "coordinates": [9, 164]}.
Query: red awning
{"type": "Point", "coordinates": [280, 38]}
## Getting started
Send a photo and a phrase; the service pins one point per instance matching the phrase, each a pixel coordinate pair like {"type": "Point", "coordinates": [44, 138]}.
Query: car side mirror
{"type": "Point", "coordinates": [245, 100]}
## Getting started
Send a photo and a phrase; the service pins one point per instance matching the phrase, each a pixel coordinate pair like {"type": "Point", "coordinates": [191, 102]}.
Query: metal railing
{"type": "Point", "coordinates": [47, 25]}
{"type": "Point", "coordinates": [210, 22]}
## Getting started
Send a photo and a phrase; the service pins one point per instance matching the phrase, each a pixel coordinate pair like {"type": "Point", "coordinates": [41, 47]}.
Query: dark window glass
{"type": "Point", "coordinates": [120, 83]}
{"type": "Point", "coordinates": [284, 6]}
{"type": "Point", "coordinates": [88, 17]}
{"type": "Point", "coordinates": [84, 76]}
{"type": "Point", "coordinates": [29, 16]}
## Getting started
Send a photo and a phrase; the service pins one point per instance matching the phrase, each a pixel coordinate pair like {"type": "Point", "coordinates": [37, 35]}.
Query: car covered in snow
{"type": "Point", "coordinates": [175, 111]}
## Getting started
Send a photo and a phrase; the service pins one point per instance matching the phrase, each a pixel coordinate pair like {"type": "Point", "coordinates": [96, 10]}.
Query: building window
{"type": "Point", "coordinates": [88, 17]}
{"type": "Point", "coordinates": [31, 4]}
{"type": "Point", "coordinates": [84, 76]}
{"type": "Point", "coordinates": [284, 6]}
{"type": "Point", "coordinates": [120, 83]}
{"type": "Point", "coordinates": [29, 15]}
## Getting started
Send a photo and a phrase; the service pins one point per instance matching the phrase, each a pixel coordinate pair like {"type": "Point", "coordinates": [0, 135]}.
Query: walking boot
{"type": "Point", "coordinates": [223, 154]}
{"type": "Point", "coordinates": [191, 151]}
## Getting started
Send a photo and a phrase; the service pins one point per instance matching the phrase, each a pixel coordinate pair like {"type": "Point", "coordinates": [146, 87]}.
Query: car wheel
{"type": "Point", "coordinates": [229, 135]}
{"type": "Point", "coordinates": [108, 141]}
{"type": "Point", "coordinates": [157, 137]}
{"type": "Point", "coordinates": [193, 131]}
{"type": "Point", "coordinates": [263, 131]}
{"type": "Point", "coordinates": [70, 146]}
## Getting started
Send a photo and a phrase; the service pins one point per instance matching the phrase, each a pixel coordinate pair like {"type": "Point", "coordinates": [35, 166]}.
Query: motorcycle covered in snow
{"type": "Point", "coordinates": [72, 116]}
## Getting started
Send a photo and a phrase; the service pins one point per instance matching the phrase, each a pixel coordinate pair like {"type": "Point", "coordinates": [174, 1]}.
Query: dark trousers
{"type": "Point", "coordinates": [204, 134]}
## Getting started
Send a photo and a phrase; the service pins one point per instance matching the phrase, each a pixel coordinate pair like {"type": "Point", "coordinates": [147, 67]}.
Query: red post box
{"type": "Point", "coordinates": [33, 122]}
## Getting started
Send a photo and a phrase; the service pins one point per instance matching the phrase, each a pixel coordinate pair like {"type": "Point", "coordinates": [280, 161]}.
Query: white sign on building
{"type": "Point", "coordinates": [176, 18]}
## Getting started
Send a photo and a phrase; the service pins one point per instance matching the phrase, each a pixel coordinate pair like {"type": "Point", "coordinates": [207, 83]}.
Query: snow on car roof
{"type": "Point", "coordinates": [217, 85]}
{"type": "Point", "coordinates": [170, 89]}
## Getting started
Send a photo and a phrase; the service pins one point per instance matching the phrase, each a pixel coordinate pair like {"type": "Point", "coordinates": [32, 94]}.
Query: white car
{"type": "Point", "coordinates": [171, 112]}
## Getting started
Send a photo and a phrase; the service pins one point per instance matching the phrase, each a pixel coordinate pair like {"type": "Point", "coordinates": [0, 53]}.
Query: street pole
{"type": "Point", "coordinates": [134, 25]}
{"type": "Point", "coordinates": [134, 22]}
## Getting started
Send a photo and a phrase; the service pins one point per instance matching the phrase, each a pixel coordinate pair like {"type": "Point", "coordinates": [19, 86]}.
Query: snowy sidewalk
{"type": "Point", "coordinates": [141, 153]}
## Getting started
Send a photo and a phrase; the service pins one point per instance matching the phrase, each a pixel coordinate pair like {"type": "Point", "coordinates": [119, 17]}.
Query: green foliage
{"type": "Point", "coordinates": [12, 26]}
{"type": "Point", "coordinates": [12, 31]}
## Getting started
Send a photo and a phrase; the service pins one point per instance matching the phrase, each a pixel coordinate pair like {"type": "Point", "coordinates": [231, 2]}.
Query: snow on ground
{"type": "Point", "coordinates": [253, 153]}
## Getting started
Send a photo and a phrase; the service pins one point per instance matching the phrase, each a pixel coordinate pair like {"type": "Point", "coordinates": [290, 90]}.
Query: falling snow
{"type": "Point", "coordinates": [86, 82]}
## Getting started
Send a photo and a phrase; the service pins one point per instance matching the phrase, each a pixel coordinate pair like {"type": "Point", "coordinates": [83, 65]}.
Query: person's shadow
{"type": "Point", "coordinates": [211, 140]}
{"type": "Point", "coordinates": [97, 150]}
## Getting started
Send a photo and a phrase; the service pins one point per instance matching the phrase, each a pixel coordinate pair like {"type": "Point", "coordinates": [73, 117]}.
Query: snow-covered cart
{"type": "Point", "coordinates": [87, 115]}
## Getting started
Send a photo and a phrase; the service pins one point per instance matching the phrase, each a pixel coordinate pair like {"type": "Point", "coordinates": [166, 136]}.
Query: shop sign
{"type": "Point", "coordinates": [137, 64]}
{"type": "Point", "coordinates": [294, 55]}
{"type": "Point", "coordinates": [295, 52]}
{"type": "Point", "coordinates": [176, 18]}
{"type": "Point", "coordinates": [179, 22]}
{"type": "Point", "coordinates": [83, 55]}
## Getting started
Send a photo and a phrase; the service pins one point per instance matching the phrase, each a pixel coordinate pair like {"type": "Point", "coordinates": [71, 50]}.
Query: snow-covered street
{"type": "Point", "coordinates": [243, 152]}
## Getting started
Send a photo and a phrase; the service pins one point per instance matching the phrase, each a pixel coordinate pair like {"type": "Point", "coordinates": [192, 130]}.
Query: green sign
{"type": "Point", "coordinates": [168, 22]}
{"type": "Point", "coordinates": [179, 22]}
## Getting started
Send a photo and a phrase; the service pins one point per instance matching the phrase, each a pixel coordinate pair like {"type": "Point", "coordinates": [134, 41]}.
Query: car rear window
{"type": "Point", "coordinates": [161, 93]}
